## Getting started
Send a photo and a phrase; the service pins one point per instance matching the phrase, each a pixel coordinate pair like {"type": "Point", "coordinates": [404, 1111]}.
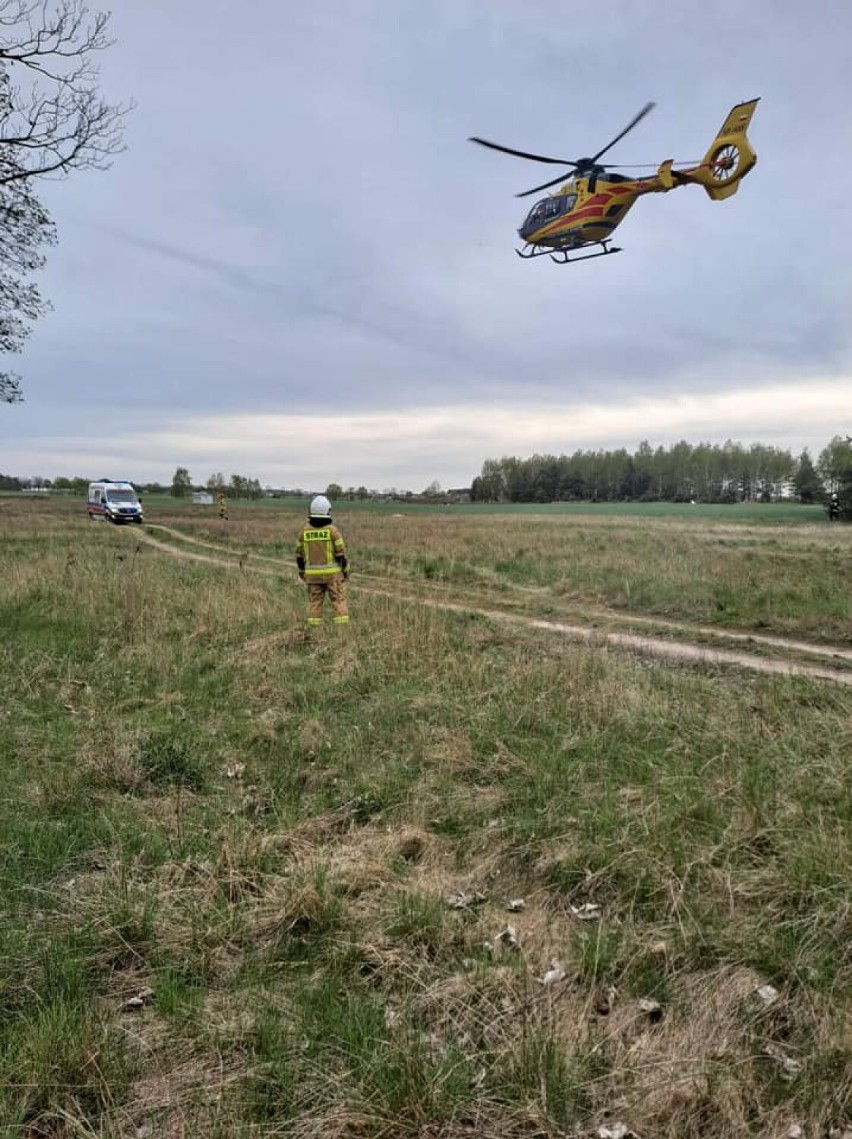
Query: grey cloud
{"type": "Point", "coordinates": [299, 220]}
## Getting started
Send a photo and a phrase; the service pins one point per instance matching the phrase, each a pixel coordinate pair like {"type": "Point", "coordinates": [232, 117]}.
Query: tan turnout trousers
{"type": "Point", "coordinates": [336, 590]}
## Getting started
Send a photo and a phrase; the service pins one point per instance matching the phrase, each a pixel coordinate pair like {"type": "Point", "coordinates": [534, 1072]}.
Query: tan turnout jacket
{"type": "Point", "coordinates": [318, 545]}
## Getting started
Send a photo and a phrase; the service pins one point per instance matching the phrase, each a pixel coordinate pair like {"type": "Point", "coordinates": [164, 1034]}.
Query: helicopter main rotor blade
{"type": "Point", "coordinates": [545, 186]}
{"type": "Point", "coordinates": [633, 122]}
{"type": "Point", "coordinates": [522, 153]}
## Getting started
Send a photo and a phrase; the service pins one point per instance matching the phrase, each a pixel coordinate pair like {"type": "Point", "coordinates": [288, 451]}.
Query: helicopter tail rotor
{"type": "Point", "coordinates": [729, 158]}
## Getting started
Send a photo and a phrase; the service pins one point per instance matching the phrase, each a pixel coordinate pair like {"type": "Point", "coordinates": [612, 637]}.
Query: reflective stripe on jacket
{"type": "Point", "coordinates": [318, 547]}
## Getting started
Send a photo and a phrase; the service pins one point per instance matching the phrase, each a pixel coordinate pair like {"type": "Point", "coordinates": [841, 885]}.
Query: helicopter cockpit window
{"type": "Point", "coordinates": [550, 208]}
{"type": "Point", "coordinates": [536, 214]}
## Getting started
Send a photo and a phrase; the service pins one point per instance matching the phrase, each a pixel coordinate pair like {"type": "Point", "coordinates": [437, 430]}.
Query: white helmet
{"type": "Point", "coordinates": [320, 507]}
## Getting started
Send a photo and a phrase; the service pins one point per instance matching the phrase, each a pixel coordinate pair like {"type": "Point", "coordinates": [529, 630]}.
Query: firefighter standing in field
{"type": "Point", "coordinates": [321, 558]}
{"type": "Point", "coordinates": [223, 506]}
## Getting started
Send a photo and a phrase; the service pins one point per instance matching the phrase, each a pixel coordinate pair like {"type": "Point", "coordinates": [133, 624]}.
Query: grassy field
{"type": "Point", "coordinates": [731, 567]}
{"type": "Point", "coordinates": [430, 875]}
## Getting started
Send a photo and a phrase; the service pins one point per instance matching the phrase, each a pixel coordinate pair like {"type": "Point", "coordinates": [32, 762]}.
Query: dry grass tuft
{"type": "Point", "coordinates": [112, 765]}
{"type": "Point", "coordinates": [181, 1098]}
{"type": "Point", "coordinates": [271, 646]}
{"type": "Point", "coordinates": [302, 904]}
{"type": "Point", "coordinates": [411, 845]}
{"type": "Point", "coordinates": [311, 833]}
{"type": "Point", "coordinates": [665, 1070]}
{"type": "Point", "coordinates": [314, 735]}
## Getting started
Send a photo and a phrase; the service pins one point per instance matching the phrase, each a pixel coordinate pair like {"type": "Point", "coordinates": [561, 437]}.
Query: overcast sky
{"type": "Point", "coordinates": [302, 272]}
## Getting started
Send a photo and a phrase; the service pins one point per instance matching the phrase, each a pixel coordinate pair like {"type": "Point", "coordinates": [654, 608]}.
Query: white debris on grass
{"type": "Point", "coordinates": [790, 1066]}
{"type": "Point", "coordinates": [589, 911]}
{"type": "Point", "coordinates": [768, 994]}
{"type": "Point", "coordinates": [554, 973]}
{"type": "Point", "coordinates": [463, 900]}
{"type": "Point", "coordinates": [508, 938]}
{"type": "Point", "coordinates": [614, 1131]}
{"type": "Point", "coordinates": [651, 1008]}
{"type": "Point", "coordinates": [142, 998]}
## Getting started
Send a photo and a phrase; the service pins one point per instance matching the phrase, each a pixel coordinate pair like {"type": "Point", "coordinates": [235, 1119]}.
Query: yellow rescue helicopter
{"type": "Point", "coordinates": [586, 209]}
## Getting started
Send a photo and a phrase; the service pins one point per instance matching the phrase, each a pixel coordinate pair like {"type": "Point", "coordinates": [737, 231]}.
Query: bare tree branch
{"type": "Point", "coordinates": [54, 120]}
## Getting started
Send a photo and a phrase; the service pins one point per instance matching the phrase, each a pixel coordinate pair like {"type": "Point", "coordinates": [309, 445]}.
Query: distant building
{"type": "Point", "coordinates": [202, 498]}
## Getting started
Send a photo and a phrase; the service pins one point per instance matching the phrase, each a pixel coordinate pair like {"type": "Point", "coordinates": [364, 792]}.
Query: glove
{"type": "Point", "coordinates": [346, 574]}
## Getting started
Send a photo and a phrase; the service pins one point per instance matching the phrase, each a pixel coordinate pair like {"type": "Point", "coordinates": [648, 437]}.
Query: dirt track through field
{"type": "Point", "coordinates": [678, 651]}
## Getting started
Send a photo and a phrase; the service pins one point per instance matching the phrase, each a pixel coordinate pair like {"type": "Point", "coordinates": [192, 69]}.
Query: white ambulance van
{"type": "Point", "coordinates": [114, 500]}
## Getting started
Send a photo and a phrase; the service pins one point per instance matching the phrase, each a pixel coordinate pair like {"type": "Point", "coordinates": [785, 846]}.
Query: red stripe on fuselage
{"type": "Point", "coordinates": [593, 208]}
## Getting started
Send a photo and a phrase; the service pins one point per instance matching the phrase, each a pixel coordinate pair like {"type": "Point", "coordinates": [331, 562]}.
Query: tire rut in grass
{"type": "Point", "coordinates": [676, 651]}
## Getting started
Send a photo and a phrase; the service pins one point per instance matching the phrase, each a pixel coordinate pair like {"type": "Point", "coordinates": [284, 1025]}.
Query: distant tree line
{"type": "Point", "coordinates": [336, 493]}
{"type": "Point", "coordinates": [728, 472]}
{"type": "Point", "coordinates": [37, 482]}
{"type": "Point", "coordinates": [238, 486]}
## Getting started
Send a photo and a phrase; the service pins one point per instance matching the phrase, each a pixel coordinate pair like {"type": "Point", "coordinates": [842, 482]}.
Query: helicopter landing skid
{"type": "Point", "coordinates": [561, 257]}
